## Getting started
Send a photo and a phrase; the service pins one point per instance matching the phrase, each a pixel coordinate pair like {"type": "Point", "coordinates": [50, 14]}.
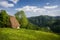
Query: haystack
{"type": "Point", "coordinates": [14, 22]}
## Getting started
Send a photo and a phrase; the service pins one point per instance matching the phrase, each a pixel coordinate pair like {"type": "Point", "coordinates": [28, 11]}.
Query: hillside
{"type": "Point", "coordinates": [43, 20]}
{"type": "Point", "coordinates": [25, 34]}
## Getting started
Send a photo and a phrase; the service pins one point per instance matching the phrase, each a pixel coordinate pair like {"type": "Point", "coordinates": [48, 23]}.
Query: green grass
{"type": "Point", "coordinates": [25, 34]}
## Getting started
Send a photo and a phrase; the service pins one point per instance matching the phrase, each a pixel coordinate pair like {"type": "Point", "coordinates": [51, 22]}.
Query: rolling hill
{"type": "Point", "coordinates": [25, 34]}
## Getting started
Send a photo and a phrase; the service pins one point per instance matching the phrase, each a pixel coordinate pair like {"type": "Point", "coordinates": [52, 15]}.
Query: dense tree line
{"type": "Point", "coordinates": [55, 27]}
{"type": "Point", "coordinates": [47, 21]}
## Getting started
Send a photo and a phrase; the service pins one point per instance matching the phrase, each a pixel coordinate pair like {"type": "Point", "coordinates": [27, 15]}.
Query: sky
{"type": "Point", "coordinates": [31, 7]}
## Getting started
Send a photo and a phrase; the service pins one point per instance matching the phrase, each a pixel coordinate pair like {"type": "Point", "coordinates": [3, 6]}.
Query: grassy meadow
{"type": "Point", "coordinates": [25, 34]}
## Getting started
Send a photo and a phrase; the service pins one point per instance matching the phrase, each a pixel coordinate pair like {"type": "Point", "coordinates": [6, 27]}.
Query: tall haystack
{"type": "Point", "coordinates": [14, 22]}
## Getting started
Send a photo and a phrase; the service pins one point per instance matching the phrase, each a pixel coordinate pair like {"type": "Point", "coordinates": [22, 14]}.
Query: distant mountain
{"type": "Point", "coordinates": [43, 20]}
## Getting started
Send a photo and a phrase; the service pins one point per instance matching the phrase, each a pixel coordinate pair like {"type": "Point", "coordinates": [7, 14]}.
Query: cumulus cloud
{"type": "Point", "coordinates": [31, 9]}
{"type": "Point", "coordinates": [6, 4]}
{"type": "Point", "coordinates": [14, 1]}
{"type": "Point", "coordinates": [51, 7]}
{"type": "Point", "coordinates": [36, 11]}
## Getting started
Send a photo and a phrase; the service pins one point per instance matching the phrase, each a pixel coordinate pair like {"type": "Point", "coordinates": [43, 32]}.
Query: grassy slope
{"type": "Point", "coordinates": [23, 34]}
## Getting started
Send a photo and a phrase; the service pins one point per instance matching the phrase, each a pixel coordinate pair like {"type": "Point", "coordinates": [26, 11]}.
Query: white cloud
{"type": "Point", "coordinates": [6, 4]}
{"type": "Point", "coordinates": [36, 11]}
{"type": "Point", "coordinates": [31, 9]}
{"type": "Point", "coordinates": [54, 12]}
{"type": "Point", "coordinates": [14, 1]}
{"type": "Point", "coordinates": [51, 7]}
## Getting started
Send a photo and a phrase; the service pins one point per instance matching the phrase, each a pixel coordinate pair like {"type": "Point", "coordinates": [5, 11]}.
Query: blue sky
{"type": "Point", "coordinates": [32, 7]}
